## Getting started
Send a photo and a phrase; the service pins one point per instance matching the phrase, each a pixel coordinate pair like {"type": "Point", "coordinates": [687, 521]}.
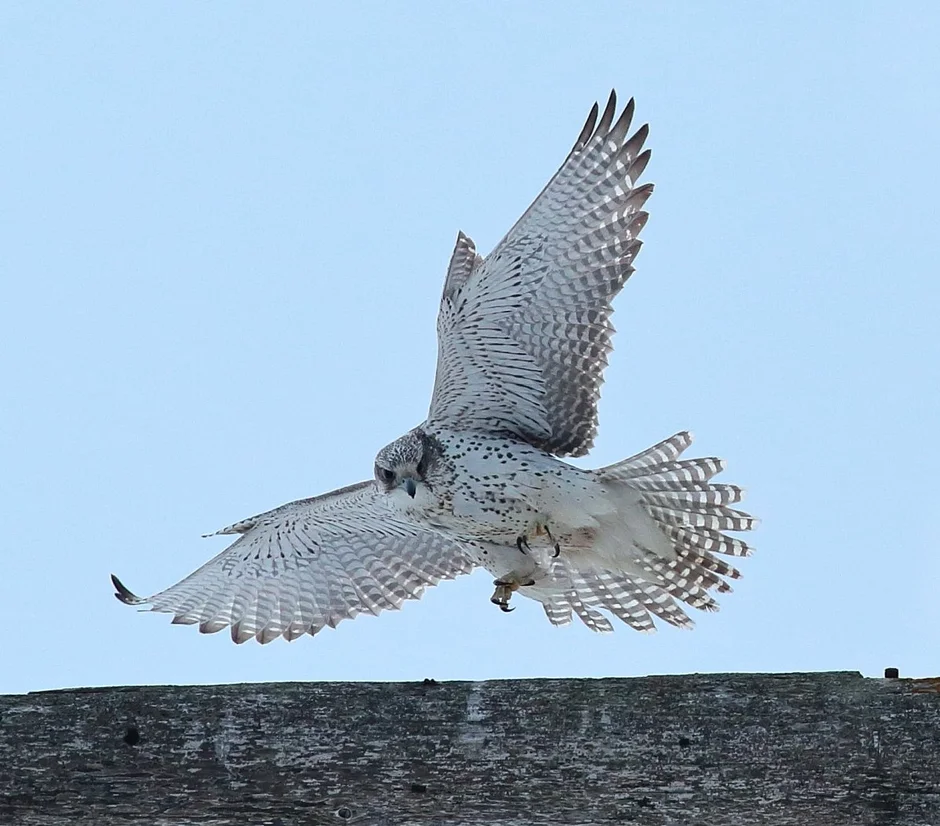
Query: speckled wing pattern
{"type": "Point", "coordinates": [523, 335]}
{"type": "Point", "coordinates": [309, 564]}
{"type": "Point", "coordinates": [692, 512]}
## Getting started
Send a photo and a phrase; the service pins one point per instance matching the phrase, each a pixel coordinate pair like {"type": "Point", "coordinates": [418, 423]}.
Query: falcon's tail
{"type": "Point", "coordinates": [674, 517]}
{"type": "Point", "coordinates": [679, 495]}
{"type": "Point", "coordinates": [689, 511]}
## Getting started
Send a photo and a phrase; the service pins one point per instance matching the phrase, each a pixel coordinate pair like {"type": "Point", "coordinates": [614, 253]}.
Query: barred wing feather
{"type": "Point", "coordinates": [523, 335]}
{"type": "Point", "coordinates": [309, 564]}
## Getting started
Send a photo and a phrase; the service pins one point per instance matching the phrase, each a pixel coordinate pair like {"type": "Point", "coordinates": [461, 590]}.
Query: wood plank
{"type": "Point", "coordinates": [829, 749]}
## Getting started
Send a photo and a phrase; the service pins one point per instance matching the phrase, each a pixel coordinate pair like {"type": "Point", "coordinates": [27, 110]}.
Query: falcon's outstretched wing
{"type": "Point", "coordinates": [523, 335]}
{"type": "Point", "coordinates": [308, 564]}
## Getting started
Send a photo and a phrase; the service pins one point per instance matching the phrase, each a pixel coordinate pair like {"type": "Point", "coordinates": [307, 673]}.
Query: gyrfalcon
{"type": "Point", "coordinates": [523, 339]}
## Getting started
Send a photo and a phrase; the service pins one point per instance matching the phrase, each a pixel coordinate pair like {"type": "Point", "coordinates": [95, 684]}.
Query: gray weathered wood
{"type": "Point", "coordinates": [698, 750]}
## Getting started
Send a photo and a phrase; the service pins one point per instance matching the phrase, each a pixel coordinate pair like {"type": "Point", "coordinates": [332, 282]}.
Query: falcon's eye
{"type": "Point", "coordinates": [384, 474]}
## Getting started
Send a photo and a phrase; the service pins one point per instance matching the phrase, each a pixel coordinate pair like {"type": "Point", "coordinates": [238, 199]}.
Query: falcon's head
{"type": "Point", "coordinates": [402, 466]}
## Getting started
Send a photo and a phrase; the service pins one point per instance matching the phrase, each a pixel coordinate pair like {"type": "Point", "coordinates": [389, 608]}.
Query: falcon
{"type": "Point", "coordinates": [523, 340]}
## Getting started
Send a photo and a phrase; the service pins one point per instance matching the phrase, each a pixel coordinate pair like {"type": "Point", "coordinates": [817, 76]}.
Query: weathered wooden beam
{"type": "Point", "coordinates": [702, 750]}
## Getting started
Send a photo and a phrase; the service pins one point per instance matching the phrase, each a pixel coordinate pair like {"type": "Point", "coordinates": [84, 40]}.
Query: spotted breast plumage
{"type": "Point", "coordinates": [523, 339]}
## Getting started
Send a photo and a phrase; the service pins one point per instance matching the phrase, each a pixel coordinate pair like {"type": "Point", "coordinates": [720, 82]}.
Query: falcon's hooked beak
{"type": "Point", "coordinates": [409, 485]}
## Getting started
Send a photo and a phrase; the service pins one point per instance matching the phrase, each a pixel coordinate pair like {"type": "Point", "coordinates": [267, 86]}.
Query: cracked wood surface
{"type": "Point", "coordinates": [699, 750]}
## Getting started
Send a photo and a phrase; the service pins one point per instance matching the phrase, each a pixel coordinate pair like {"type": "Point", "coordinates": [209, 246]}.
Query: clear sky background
{"type": "Point", "coordinates": [223, 234]}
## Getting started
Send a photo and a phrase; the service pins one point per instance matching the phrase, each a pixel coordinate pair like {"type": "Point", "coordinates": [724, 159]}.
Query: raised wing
{"type": "Point", "coordinates": [523, 335]}
{"type": "Point", "coordinates": [308, 564]}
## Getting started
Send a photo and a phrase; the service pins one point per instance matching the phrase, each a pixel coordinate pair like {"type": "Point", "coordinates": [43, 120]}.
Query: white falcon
{"type": "Point", "coordinates": [523, 338]}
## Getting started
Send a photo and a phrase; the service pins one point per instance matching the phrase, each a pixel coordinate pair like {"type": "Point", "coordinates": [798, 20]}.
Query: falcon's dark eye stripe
{"type": "Point", "coordinates": [384, 474]}
{"type": "Point", "coordinates": [422, 467]}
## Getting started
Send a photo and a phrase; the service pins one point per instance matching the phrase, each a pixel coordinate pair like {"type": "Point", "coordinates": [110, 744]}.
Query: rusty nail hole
{"type": "Point", "coordinates": [344, 812]}
{"type": "Point", "coordinates": [684, 742]}
{"type": "Point", "coordinates": [891, 673]}
{"type": "Point", "coordinates": [418, 788]}
{"type": "Point", "coordinates": [132, 736]}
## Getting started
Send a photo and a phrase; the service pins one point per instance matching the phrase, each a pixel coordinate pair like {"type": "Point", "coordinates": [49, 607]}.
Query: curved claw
{"type": "Point", "coordinates": [502, 595]}
{"type": "Point", "coordinates": [556, 547]}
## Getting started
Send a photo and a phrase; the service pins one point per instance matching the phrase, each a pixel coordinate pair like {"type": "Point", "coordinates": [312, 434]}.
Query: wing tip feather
{"type": "Point", "coordinates": [586, 131]}
{"type": "Point", "coordinates": [603, 127]}
{"type": "Point", "coordinates": [125, 594]}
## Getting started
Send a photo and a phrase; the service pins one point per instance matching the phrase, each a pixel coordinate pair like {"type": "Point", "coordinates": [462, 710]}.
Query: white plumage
{"type": "Point", "coordinates": [523, 341]}
{"type": "Point", "coordinates": [309, 564]}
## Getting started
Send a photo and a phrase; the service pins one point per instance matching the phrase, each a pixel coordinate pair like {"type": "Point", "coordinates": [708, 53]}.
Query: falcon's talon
{"type": "Point", "coordinates": [522, 543]}
{"type": "Point", "coordinates": [555, 546]}
{"type": "Point", "coordinates": [557, 549]}
{"type": "Point", "coordinates": [503, 594]}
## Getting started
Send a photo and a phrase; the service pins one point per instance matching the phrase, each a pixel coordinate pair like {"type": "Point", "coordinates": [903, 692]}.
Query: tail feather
{"type": "Point", "coordinates": [660, 603]}
{"type": "Point", "coordinates": [693, 571]}
{"type": "Point", "coordinates": [656, 551]}
{"type": "Point", "coordinates": [591, 618]}
{"type": "Point", "coordinates": [676, 568]}
{"type": "Point", "coordinates": [705, 560]}
{"type": "Point", "coordinates": [691, 512]}
{"type": "Point", "coordinates": [681, 470]}
{"type": "Point", "coordinates": [663, 453]}
{"type": "Point", "coordinates": [712, 518]}
{"type": "Point", "coordinates": [558, 612]}
{"type": "Point", "coordinates": [612, 594]}
{"type": "Point", "coordinates": [711, 541]}
{"type": "Point", "coordinates": [629, 599]}
{"type": "Point", "coordinates": [676, 495]}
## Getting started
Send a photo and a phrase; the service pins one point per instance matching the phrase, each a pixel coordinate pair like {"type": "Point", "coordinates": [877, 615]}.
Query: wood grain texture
{"type": "Point", "coordinates": [697, 750]}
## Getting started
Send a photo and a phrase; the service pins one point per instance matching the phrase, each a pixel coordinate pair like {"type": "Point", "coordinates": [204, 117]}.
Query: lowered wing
{"type": "Point", "coordinates": [309, 564]}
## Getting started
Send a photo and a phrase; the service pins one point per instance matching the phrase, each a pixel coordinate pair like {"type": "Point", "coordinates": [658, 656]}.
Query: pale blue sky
{"type": "Point", "coordinates": [224, 230]}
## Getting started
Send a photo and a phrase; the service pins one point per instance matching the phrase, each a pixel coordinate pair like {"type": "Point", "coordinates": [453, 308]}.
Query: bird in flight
{"type": "Point", "coordinates": [523, 339]}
